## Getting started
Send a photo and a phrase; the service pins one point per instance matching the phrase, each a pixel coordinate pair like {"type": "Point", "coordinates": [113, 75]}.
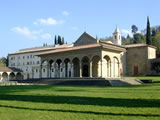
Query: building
{"type": "Point", "coordinates": [86, 57]}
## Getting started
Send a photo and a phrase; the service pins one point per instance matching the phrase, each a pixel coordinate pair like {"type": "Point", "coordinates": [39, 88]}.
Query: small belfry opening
{"type": "Point", "coordinates": [85, 67]}
{"type": "Point", "coordinates": [76, 67]}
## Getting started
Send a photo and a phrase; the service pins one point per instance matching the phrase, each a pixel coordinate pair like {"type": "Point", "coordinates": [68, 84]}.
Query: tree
{"type": "Point", "coordinates": [156, 41]}
{"type": "Point", "coordinates": [55, 40]}
{"type": "Point", "coordinates": [59, 40]}
{"type": "Point", "coordinates": [62, 40]}
{"type": "Point", "coordinates": [138, 38]}
{"type": "Point", "coordinates": [148, 34]}
{"type": "Point", "coordinates": [3, 61]}
{"type": "Point", "coordinates": [134, 29]}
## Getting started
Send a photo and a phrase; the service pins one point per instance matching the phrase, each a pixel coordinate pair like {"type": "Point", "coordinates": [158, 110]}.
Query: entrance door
{"type": "Point", "coordinates": [85, 71]}
{"type": "Point", "coordinates": [135, 70]}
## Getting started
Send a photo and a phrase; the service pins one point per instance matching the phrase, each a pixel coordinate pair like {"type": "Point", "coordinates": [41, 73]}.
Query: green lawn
{"type": "Point", "coordinates": [48, 102]}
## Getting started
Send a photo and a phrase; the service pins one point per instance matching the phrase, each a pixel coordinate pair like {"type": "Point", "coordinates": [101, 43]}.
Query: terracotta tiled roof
{"type": "Point", "coordinates": [138, 45]}
{"type": "Point", "coordinates": [105, 45]}
{"type": "Point", "coordinates": [9, 69]}
{"type": "Point", "coordinates": [71, 48]}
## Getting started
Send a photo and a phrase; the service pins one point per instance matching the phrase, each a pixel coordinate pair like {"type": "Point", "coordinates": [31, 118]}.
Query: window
{"type": "Point", "coordinates": [33, 62]}
{"type": "Point", "coordinates": [36, 70]}
{"type": "Point", "coordinates": [23, 57]}
{"type": "Point", "coordinates": [30, 56]}
{"type": "Point", "coordinates": [115, 37]}
{"type": "Point", "coordinates": [61, 69]}
{"type": "Point", "coordinates": [43, 70]}
{"type": "Point", "coordinates": [37, 62]}
{"type": "Point", "coordinates": [27, 63]}
{"type": "Point", "coordinates": [52, 70]}
{"type": "Point", "coordinates": [30, 62]}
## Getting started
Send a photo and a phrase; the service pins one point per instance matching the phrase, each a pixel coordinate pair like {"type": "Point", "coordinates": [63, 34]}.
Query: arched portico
{"type": "Point", "coordinates": [107, 66]}
{"type": "Point", "coordinates": [76, 67]}
{"type": "Point", "coordinates": [96, 66]}
{"type": "Point", "coordinates": [12, 76]}
{"type": "Point", "coordinates": [51, 68]}
{"type": "Point", "coordinates": [4, 76]}
{"type": "Point", "coordinates": [19, 76]}
{"type": "Point", "coordinates": [67, 67]}
{"type": "Point", "coordinates": [116, 67]}
{"type": "Point", "coordinates": [85, 67]}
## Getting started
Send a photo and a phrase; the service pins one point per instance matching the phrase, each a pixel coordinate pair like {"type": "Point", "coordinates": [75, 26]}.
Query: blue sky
{"type": "Point", "coordinates": [30, 23]}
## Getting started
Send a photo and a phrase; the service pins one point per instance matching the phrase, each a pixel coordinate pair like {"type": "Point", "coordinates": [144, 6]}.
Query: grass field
{"type": "Point", "coordinates": [81, 102]}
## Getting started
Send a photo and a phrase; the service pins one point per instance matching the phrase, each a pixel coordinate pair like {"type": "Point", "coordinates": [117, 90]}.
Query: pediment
{"type": "Point", "coordinates": [85, 39]}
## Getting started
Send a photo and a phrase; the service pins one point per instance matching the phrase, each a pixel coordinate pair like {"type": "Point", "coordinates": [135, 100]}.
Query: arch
{"type": "Point", "coordinates": [67, 66]}
{"type": "Point", "coordinates": [4, 76]}
{"type": "Point", "coordinates": [85, 66]}
{"type": "Point", "coordinates": [76, 66]}
{"type": "Point", "coordinates": [96, 66]}
{"type": "Point", "coordinates": [51, 68]}
{"type": "Point", "coordinates": [58, 68]}
{"type": "Point", "coordinates": [116, 67]}
{"type": "Point", "coordinates": [107, 66]}
{"type": "Point", "coordinates": [19, 76]}
{"type": "Point", "coordinates": [44, 62]}
{"type": "Point", "coordinates": [12, 76]}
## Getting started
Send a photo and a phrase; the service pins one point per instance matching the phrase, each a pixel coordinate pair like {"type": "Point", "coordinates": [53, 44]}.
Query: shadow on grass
{"type": "Point", "coordinates": [78, 100]}
{"type": "Point", "coordinates": [82, 112]}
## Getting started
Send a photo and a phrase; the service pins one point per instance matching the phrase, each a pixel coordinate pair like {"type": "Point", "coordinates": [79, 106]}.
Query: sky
{"type": "Point", "coordinates": [30, 23]}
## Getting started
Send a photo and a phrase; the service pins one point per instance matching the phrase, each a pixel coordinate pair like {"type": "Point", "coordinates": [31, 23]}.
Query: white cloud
{"type": "Point", "coordinates": [46, 36]}
{"type": "Point", "coordinates": [126, 31]}
{"type": "Point", "coordinates": [75, 28]}
{"type": "Point", "coordinates": [31, 34]}
{"type": "Point", "coordinates": [48, 21]}
{"type": "Point", "coordinates": [65, 13]}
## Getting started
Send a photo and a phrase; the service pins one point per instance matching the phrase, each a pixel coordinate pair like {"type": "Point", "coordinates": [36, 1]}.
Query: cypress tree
{"type": "Point", "coordinates": [62, 40]}
{"type": "Point", "coordinates": [59, 40]}
{"type": "Point", "coordinates": [55, 40]}
{"type": "Point", "coordinates": [148, 34]}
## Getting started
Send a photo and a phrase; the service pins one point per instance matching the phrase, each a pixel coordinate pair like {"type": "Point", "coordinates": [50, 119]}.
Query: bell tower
{"type": "Point", "coordinates": [117, 37]}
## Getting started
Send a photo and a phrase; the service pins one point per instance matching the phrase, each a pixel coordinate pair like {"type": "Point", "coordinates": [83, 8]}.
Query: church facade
{"type": "Point", "coordinates": [86, 57]}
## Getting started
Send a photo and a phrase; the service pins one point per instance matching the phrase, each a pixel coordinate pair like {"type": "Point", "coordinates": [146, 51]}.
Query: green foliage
{"type": "Point", "coordinates": [55, 40]}
{"type": "Point", "coordinates": [148, 34]}
{"type": "Point", "coordinates": [3, 61]}
{"type": "Point", "coordinates": [80, 102]}
{"type": "Point", "coordinates": [156, 41]}
{"type": "Point", "coordinates": [138, 38]}
{"type": "Point", "coordinates": [134, 29]}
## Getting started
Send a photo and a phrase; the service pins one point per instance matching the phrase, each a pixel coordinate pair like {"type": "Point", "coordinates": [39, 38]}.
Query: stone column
{"type": "Point", "coordinates": [80, 65]}
{"type": "Point", "coordinates": [90, 66]}
{"type": "Point", "coordinates": [101, 67]}
{"type": "Point", "coordinates": [63, 69]}
{"type": "Point", "coordinates": [72, 70]}
{"type": "Point", "coordinates": [40, 71]}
